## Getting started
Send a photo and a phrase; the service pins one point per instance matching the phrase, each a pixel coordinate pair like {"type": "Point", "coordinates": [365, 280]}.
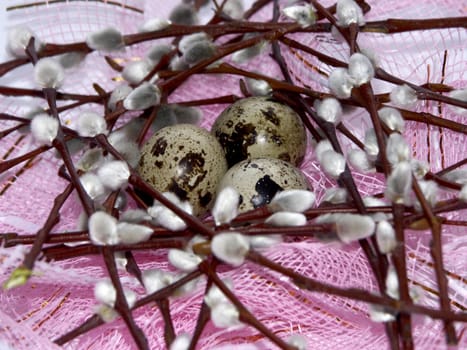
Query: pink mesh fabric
{"type": "Point", "coordinates": [60, 297]}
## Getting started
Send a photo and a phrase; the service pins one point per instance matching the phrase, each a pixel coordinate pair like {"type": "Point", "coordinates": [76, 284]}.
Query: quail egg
{"type": "Point", "coordinates": [258, 180]}
{"type": "Point", "coordinates": [186, 160]}
{"type": "Point", "coordinates": [260, 127]}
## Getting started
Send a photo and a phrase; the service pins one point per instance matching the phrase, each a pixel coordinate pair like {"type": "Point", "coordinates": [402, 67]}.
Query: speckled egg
{"type": "Point", "coordinates": [260, 127]}
{"type": "Point", "coordinates": [258, 180]}
{"type": "Point", "coordinates": [186, 160]}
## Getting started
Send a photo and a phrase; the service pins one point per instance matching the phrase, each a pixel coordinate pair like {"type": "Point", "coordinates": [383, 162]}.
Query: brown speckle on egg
{"type": "Point", "coordinates": [186, 160]}
{"type": "Point", "coordinates": [258, 127]}
{"type": "Point", "coordinates": [258, 180]}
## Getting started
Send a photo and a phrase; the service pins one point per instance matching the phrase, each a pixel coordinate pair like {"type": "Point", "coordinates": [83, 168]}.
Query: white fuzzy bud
{"type": "Point", "coordinates": [136, 71]}
{"type": "Point", "coordinates": [114, 174]}
{"type": "Point", "coordinates": [156, 279]}
{"type": "Point", "coordinates": [322, 147]}
{"type": "Point", "coordinates": [266, 241]}
{"type": "Point", "coordinates": [299, 341]}
{"type": "Point", "coordinates": [105, 293]}
{"type": "Point", "coordinates": [397, 149]}
{"type": "Point", "coordinates": [340, 83]}
{"type": "Point", "coordinates": [184, 14]}
{"type": "Point", "coordinates": [329, 110]}
{"type": "Point", "coordinates": [175, 114]}
{"type": "Point", "coordinates": [353, 227]}
{"type": "Point", "coordinates": [292, 200]}
{"type": "Point", "coordinates": [430, 192]}
{"type": "Point", "coordinates": [376, 202]}
{"type": "Point", "coordinates": [154, 24]}
{"type": "Point", "coordinates": [103, 229]}
{"type": "Point", "coordinates": [178, 63]}
{"type": "Point", "coordinates": [230, 247]}
{"type": "Point", "coordinates": [225, 315]}
{"type": "Point", "coordinates": [373, 202]}
{"type": "Point", "coordinates": [182, 260]}
{"type": "Point", "coordinates": [392, 283]}
{"type": "Point", "coordinates": [226, 206]}
{"type": "Point", "coordinates": [108, 39]}
{"type": "Point", "coordinates": [233, 9]}
{"type": "Point", "coordinates": [29, 114]}
{"type": "Point", "coordinates": [378, 314]}
{"type": "Point", "coordinates": [90, 160]}
{"type": "Point", "coordinates": [189, 40]}
{"type": "Point", "coordinates": [399, 183]}
{"type": "Point", "coordinates": [361, 69]}
{"type": "Point", "coordinates": [371, 144]}
{"type": "Point", "coordinates": [348, 12]}
{"type": "Point", "coordinates": [44, 128]}
{"type": "Point", "coordinates": [128, 149]}
{"type": "Point", "coordinates": [286, 219]}
{"type": "Point", "coordinates": [132, 233]}
{"type": "Point", "coordinates": [463, 193]}
{"type": "Point", "coordinates": [258, 87]}
{"type": "Point", "coordinates": [305, 15]}
{"type": "Point", "coordinates": [333, 163]}
{"type": "Point", "coordinates": [359, 160]}
{"type": "Point", "coordinates": [92, 185]}
{"type": "Point", "coordinates": [459, 95]}
{"type": "Point", "coordinates": [419, 168]}
{"type": "Point", "coordinates": [392, 118]}
{"type": "Point", "coordinates": [144, 96]}
{"type": "Point", "coordinates": [118, 94]}
{"type": "Point", "coordinates": [18, 40]}
{"type": "Point", "coordinates": [135, 216]}
{"type": "Point", "coordinates": [215, 296]}
{"type": "Point", "coordinates": [48, 73]}
{"type": "Point", "coordinates": [156, 53]}
{"type": "Point", "coordinates": [198, 52]}
{"type": "Point", "coordinates": [403, 96]}
{"type": "Point", "coordinates": [385, 237]}
{"type": "Point", "coordinates": [181, 342]}
{"type": "Point", "coordinates": [121, 201]}
{"type": "Point", "coordinates": [335, 195]}
{"type": "Point", "coordinates": [166, 217]}
{"type": "Point", "coordinates": [91, 124]}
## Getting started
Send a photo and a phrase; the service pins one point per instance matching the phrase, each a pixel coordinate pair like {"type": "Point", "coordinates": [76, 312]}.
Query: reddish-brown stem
{"type": "Point", "coordinates": [399, 260]}
{"type": "Point", "coordinates": [437, 255]}
{"type": "Point", "coordinates": [43, 233]}
{"type": "Point", "coordinates": [10, 163]}
{"type": "Point", "coordinates": [353, 293]}
{"type": "Point", "coordinates": [245, 315]}
{"type": "Point", "coordinates": [394, 25]}
{"type": "Point", "coordinates": [121, 304]}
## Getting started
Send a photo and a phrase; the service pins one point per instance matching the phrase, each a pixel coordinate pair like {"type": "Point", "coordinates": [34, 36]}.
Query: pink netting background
{"type": "Point", "coordinates": [60, 295]}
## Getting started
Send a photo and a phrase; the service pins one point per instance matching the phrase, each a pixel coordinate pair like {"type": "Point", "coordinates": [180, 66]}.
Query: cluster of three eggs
{"type": "Point", "coordinates": [259, 139]}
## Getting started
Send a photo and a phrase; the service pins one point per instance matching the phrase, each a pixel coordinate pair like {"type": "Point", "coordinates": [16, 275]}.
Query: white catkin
{"type": "Point", "coordinates": [44, 128]}
{"type": "Point", "coordinates": [48, 73]}
{"type": "Point", "coordinates": [107, 39]}
{"type": "Point", "coordinates": [340, 83]}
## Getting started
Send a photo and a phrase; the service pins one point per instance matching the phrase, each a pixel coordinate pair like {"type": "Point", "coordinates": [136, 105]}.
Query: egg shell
{"type": "Point", "coordinates": [258, 180]}
{"type": "Point", "coordinates": [186, 160]}
{"type": "Point", "coordinates": [260, 127]}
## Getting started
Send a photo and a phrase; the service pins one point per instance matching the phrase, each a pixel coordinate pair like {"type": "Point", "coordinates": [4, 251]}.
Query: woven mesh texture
{"type": "Point", "coordinates": [59, 296]}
